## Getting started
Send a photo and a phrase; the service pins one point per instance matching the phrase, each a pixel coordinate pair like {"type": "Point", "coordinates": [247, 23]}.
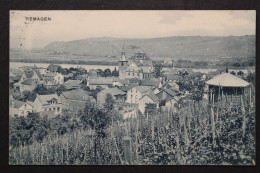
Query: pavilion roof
{"type": "Point", "coordinates": [227, 80]}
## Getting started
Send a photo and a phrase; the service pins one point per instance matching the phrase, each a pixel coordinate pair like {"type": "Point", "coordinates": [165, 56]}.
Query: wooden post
{"type": "Point", "coordinates": [244, 116]}
{"type": "Point", "coordinates": [212, 122]}
{"type": "Point", "coordinates": [127, 150]}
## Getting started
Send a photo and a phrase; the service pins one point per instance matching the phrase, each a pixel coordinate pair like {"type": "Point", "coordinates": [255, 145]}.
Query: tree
{"type": "Point", "coordinates": [60, 89]}
{"type": "Point", "coordinates": [251, 78]}
{"type": "Point", "coordinates": [29, 96]}
{"type": "Point", "coordinates": [150, 108]}
{"type": "Point", "coordinates": [240, 73]}
{"type": "Point", "coordinates": [115, 73]}
{"type": "Point", "coordinates": [97, 120]}
{"type": "Point", "coordinates": [100, 73]}
{"type": "Point", "coordinates": [109, 102]}
{"type": "Point", "coordinates": [157, 70]}
{"type": "Point", "coordinates": [107, 72]}
{"type": "Point", "coordinates": [233, 73]}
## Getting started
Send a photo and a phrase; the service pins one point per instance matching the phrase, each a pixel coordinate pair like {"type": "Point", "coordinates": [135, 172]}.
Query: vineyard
{"type": "Point", "coordinates": [199, 133]}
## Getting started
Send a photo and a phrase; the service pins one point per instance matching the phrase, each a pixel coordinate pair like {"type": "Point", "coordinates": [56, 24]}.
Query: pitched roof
{"type": "Point", "coordinates": [169, 91]}
{"type": "Point", "coordinates": [124, 81]}
{"type": "Point", "coordinates": [45, 98]}
{"type": "Point", "coordinates": [15, 71]}
{"type": "Point", "coordinates": [113, 91]}
{"type": "Point", "coordinates": [49, 75]}
{"type": "Point", "coordinates": [143, 89]}
{"type": "Point", "coordinates": [28, 73]}
{"type": "Point", "coordinates": [77, 95]}
{"type": "Point", "coordinates": [30, 103]}
{"type": "Point", "coordinates": [227, 80]}
{"type": "Point", "coordinates": [28, 82]}
{"type": "Point", "coordinates": [49, 83]}
{"type": "Point", "coordinates": [15, 78]}
{"type": "Point", "coordinates": [152, 96]}
{"type": "Point", "coordinates": [172, 77]}
{"type": "Point", "coordinates": [17, 104]}
{"type": "Point", "coordinates": [151, 82]}
{"type": "Point", "coordinates": [127, 88]}
{"type": "Point", "coordinates": [101, 81]}
{"type": "Point", "coordinates": [170, 98]}
{"type": "Point", "coordinates": [38, 74]}
{"type": "Point", "coordinates": [71, 84]}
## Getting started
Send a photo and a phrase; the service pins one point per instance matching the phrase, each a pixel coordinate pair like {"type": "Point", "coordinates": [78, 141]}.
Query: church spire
{"type": "Point", "coordinates": [123, 51]}
{"type": "Point", "coordinates": [123, 57]}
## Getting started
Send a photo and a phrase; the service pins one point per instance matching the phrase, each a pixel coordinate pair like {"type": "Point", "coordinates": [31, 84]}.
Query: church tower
{"type": "Point", "coordinates": [122, 65]}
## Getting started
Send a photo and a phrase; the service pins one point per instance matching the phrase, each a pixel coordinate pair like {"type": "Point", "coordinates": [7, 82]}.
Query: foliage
{"type": "Point", "coordinates": [157, 70]}
{"type": "Point", "coordinates": [28, 96]}
{"type": "Point", "coordinates": [109, 102]}
{"type": "Point", "coordinates": [234, 73]}
{"type": "Point", "coordinates": [94, 136]}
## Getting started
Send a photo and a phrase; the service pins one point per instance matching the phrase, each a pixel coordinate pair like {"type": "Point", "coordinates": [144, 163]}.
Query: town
{"type": "Point", "coordinates": [116, 105]}
{"type": "Point", "coordinates": [136, 83]}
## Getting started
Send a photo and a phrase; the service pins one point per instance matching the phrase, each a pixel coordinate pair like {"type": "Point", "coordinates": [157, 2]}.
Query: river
{"type": "Point", "coordinates": [17, 65]}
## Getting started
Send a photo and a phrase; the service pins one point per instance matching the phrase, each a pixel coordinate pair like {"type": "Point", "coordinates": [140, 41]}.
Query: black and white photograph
{"type": "Point", "coordinates": [132, 87]}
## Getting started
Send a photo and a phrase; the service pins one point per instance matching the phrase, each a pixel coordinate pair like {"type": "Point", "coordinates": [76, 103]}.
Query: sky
{"type": "Point", "coordinates": [76, 25]}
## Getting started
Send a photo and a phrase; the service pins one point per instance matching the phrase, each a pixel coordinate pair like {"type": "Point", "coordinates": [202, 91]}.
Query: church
{"type": "Point", "coordinates": [138, 66]}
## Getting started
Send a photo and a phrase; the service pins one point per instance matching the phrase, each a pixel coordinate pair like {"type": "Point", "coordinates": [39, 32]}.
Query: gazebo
{"type": "Point", "coordinates": [226, 87]}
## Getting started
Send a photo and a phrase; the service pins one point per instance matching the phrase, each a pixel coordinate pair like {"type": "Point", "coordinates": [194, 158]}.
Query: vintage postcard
{"type": "Point", "coordinates": [132, 87]}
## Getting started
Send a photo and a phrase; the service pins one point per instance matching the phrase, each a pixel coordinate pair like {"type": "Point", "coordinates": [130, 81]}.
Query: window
{"type": "Point", "coordinates": [49, 109]}
{"type": "Point", "coordinates": [54, 108]}
{"type": "Point", "coordinates": [135, 91]}
{"type": "Point", "coordinates": [131, 91]}
{"type": "Point", "coordinates": [58, 109]}
{"type": "Point", "coordinates": [128, 74]}
{"type": "Point", "coordinates": [133, 74]}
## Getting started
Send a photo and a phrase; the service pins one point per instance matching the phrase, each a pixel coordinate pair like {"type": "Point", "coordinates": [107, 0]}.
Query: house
{"type": "Point", "coordinates": [171, 103]}
{"type": "Point", "coordinates": [72, 84]}
{"type": "Point", "coordinates": [49, 84]}
{"type": "Point", "coordinates": [76, 99]}
{"type": "Point", "coordinates": [127, 88]}
{"type": "Point", "coordinates": [136, 68]}
{"type": "Point", "coordinates": [51, 103]}
{"type": "Point", "coordinates": [19, 108]}
{"type": "Point", "coordinates": [56, 78]}
{"type": "Point", "coordinates": [172, 78]}
{"type": "Point", "coordinates": [31, 74]}
{"type": "Point", "coordinates": [117, 94]}
{"type": "Point", "coordinates": [128, 110]}
{"type": "Point", "coordinates": [146, 99]}
{"type": "Point", "coordinates": [121, 82]}
{"type": "Point", "coordinates": [15, 72]}
{"type": "Point", "coordinates": [150, 82]}
{"type": "Point", "coordinates": [28, 85]}
{"type": "Point", "coordinates": [135, 93]}
{"type": "Point", "coordinates": [103, 82]}
{"type": "Point", "coordinates": [165, 94]}
{"type": "Point", "coordinates": [53, 68]}
{"type": "Point", "coordinates": [81, 78]}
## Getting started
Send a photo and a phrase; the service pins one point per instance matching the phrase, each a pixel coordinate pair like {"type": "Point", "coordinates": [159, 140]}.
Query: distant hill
{"type": "Point", "coordinates": [198, 47]}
